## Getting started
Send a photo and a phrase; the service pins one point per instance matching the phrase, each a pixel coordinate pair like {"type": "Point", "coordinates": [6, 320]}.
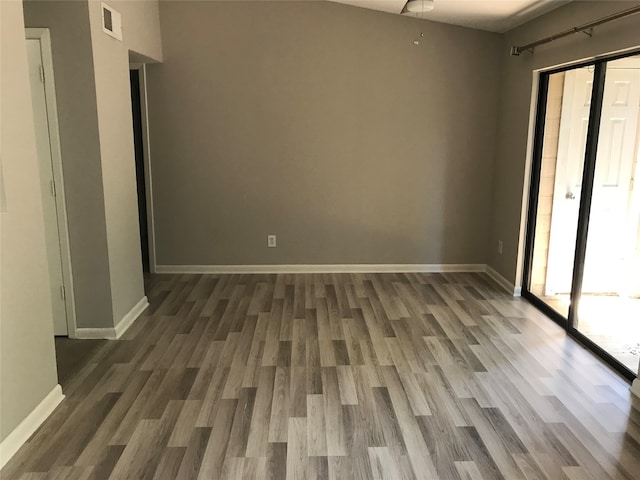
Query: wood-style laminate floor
{"type": "Point", "coordinates": [345, 376]}
{"type": "Point", "coordinates": [611, 321]}
{"type": "Point", "coordinates": [72, 355]}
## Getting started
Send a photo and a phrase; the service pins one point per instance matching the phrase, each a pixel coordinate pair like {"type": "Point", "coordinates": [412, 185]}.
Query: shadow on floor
{"type": "Point", "coordinates": [72, 355]}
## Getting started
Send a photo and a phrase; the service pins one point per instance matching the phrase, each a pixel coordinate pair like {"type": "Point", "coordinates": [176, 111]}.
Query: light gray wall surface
{"type": "Point", "coordinates": [515, 106]}
{"type": "Point", "coordinates": [141, 26]}
{"type": "Point", "coordinates": [27, 368]}
{"type": "Point", "coordinates": [94, 105]}
{"type": "Point", "coordinates": [68, 22]}
{"type": "Point", "coordinates": [113, 98]}
{"type": "Point", "coordinates": [323, 124]}
{"type": "Point", "coordinates": [141, 31]}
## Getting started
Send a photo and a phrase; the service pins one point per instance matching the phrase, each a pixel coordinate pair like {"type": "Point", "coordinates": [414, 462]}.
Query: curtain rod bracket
{"type": "Point", "coordinates": [516, 51]}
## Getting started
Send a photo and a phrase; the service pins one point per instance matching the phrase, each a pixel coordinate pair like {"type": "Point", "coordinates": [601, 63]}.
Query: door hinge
{"type": "Point", "coordinates": [41, 73]}
{"type": "Point", "coordinates": [53, 188]}
{"type": "Point", "coordinates": [63, 294]}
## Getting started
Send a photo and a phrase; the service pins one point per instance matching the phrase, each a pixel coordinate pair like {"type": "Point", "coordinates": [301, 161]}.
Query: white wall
{"type": "Point", "coordinates": [27, 369]}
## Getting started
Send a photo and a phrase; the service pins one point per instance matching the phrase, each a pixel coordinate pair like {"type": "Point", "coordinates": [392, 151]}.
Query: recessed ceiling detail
{"type": "Point", "coordinates": [492, 15]}
{"type": "Point", "coordinates": [419, 6]}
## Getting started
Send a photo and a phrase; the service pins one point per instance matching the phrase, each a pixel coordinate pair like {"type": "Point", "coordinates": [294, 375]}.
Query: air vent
{"type": "Point", "coordinates": [111, 22]}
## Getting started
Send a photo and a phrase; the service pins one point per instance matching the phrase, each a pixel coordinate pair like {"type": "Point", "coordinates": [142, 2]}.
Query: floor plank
{"type": "Point", "coordinates": [345, 376]}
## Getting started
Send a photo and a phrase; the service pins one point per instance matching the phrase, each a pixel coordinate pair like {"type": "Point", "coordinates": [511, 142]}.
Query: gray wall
{"type": "Point", "coordinates": [71, 46]}
{"type": "Point", "coordinates": [141, 32]}
{"type": "Point", "coordinates": [113, 99]}
{"type": "Point", "coordinates": [27, 369]}
{"type": "Point", "coordinates": [93, 94]}
{"type": "Point", "coordinates": [141, 26]}
{"type": "Point", "coordinates": [323, 124]}
{"type": "Point", "coordinates": [515, 102]}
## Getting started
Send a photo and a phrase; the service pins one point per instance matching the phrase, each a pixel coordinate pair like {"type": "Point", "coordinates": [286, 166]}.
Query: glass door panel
{"type": "Point", "coordinates": [609, 305]}
{"type": "Point", "coordinates": [560, 187]}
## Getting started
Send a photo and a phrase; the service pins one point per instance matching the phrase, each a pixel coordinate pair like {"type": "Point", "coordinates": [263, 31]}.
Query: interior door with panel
{"type": "Point", "coordinates": [608, 310]}
{"type": "Point", "coordinates": [562, 151]}
{"type": "Point", "coordinates": [612, 226]}
{"type": "Point", "coordinates": [47, 186]}
{"type": "Point", "coordinates": [567, 189]}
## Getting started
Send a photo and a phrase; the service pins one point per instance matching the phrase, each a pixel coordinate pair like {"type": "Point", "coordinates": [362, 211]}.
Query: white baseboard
{"type": "Point", "coordinates": [131, 316]}
{"type": "Point", "coordinates": [635, 387]}
{"type": "Point", "coordinates": [114, 333]}
{"type": "Point", "coordinates": [12, 443]}
{"type": "Point", "coordinates": [503, 282]}
{"type": "Point", "coordinates": [96, 333]}
{"type": "Point", "coordinates": [324, 268]}
{"type": "Point", "coordinates": [338, 268]}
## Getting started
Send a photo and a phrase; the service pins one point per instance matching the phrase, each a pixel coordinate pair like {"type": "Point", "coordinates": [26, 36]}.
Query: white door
{"type": "Point", "coordinates": [574, 120]}
{"type": "Point", "coordinates": [609, 233]}
{"type": "Point", "coordinates": [608, 223]}
{"type": "Point", "coordinates": [48, 188]}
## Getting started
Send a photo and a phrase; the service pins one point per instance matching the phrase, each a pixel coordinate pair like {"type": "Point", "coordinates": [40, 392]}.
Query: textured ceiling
{"type": "Point", "coordinates": [491, 15]}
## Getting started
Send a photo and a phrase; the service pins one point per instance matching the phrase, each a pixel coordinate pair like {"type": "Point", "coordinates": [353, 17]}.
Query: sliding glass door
{"type": "Point", "coordinates": [563, 144]}
{"type": "Point", "coordinates": [583, 242]}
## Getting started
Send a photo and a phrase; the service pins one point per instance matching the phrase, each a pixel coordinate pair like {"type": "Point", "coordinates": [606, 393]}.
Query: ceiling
{"type": "Point", "coordinates": [492, 15]}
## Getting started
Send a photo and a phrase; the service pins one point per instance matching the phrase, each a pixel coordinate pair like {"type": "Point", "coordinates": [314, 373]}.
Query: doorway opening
{"type": "Point", "coordinates": [136, 111]}
{"type": "Point", "coordinates": [583, 235]}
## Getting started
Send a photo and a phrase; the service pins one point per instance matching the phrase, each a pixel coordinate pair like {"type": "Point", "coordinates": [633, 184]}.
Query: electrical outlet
{"type": "Point", "coordinates": [500, 247]}
{"type": "Point", "coordinates": [271, 241]}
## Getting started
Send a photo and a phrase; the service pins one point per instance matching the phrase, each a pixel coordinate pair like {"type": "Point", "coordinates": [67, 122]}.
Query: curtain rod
{"type": "Point", "coordinates": [586, 28]}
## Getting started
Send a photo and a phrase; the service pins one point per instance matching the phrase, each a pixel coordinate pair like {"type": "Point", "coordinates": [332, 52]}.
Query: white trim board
{"type": "Point", "coordinates": [321, 268]}
{"type": "Point", "coordinates": [342, 268]}
{"type": "Point", "coordinates": [114, 333]}
{"type": "Point", "coordinates": [96, 333]}
{"type": "Point", "coordinates": [19, 436]}
{"type": "Point", "coordinates": [148, 177]}
{"type": "Point", "coordinates": [503, 282]}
